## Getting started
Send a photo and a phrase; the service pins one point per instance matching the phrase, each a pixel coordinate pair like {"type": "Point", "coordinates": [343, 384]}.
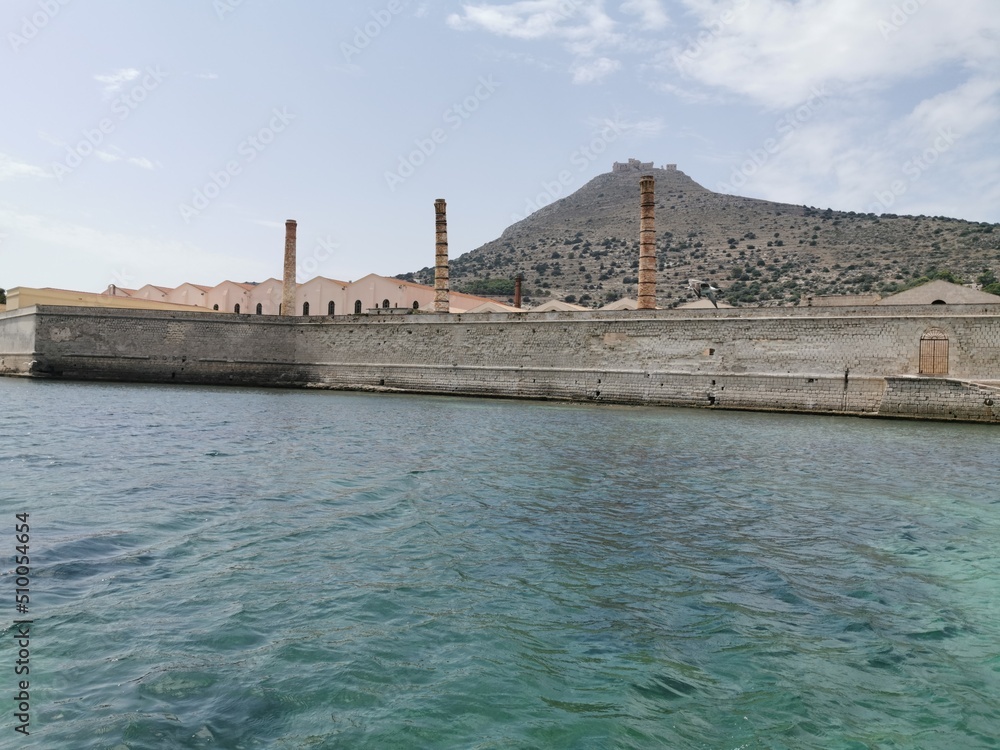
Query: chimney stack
{"type": "Point", "coordinates": [647, 245]}
{"type": "Point", "coordinates": [288, 283]}
{"type": "Point", "coordinates": [441, 300]}
{"type": "Point", "coordinates": [517, 290]}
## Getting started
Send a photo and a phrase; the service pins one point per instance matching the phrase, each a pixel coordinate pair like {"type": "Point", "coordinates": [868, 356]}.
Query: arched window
{"type": "Point", "coordinates": [416, 305]}
{"type": "Point", "coordinates": [385, 304]}
{"type": "Point", "coordinates": [260, 309]}
{"type": "Point", "coordinates": [215, 307]}
{"type": "Point", "coordinates": [236, 309]}
{"type": "Point", "coordinates": [305, 308]}
{"type": "Point", "coordinates": [934, 353]}
{"type": "Point", "coordinates": [357, 307]}
{"type": "Point", "coordinates": [330, 308]}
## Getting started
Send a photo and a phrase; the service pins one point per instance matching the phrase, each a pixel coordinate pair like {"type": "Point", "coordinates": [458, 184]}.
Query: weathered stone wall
{"type": "Point", "coordinates": [832, 360]}
{"type": "Point", "coordinates": [17, 341]}
{"type": "Point", "coordinates": [135, 345]}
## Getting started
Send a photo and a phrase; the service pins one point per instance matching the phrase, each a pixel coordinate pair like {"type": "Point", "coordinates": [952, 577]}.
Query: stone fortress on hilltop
{"type": "Point", "coordinates": [634, 165]}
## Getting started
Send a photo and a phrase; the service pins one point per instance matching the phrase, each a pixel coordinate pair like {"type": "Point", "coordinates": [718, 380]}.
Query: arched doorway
{"type": "Point", "coordinates": [305, 308]}
{"type": "Point", "coordinates": [357, 307]}
{"type": "Point", "coordinates": [934, 353]}
{"type": "Point", "coordinates": [330, 308]}
{"type": "Point", "coordinates": [260, 309]}
{"type": "Point", "coordinates": [385, 304]}
{"type": "Point", "coordinates": [416, 305]}
{"type": "Point", "coordinates": [236, 308]}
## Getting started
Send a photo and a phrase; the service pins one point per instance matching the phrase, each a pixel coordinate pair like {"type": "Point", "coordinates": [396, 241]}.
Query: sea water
{"type": "Point", "coordinates": [239, 568]}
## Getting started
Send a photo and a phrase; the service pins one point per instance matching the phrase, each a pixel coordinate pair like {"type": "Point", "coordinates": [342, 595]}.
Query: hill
{"type": "Point", "coordinates": [585, 247]}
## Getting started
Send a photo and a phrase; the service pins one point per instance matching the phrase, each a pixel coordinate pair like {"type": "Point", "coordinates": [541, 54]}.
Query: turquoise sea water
{"type": "Point", "coordinates": [273, 569]}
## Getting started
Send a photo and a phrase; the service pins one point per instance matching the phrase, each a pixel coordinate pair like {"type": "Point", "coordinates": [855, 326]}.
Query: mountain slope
{"type": "Point", "coordinates": [585, 247]}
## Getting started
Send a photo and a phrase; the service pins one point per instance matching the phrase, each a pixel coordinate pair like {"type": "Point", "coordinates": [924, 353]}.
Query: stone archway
{"type": "Point", "coordinates": [934, 352]}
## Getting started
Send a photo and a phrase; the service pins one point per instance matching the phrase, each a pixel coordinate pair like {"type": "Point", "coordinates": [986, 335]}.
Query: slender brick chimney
{"type": "Point", "coordinates": [647, 245]}
{"type": "Point", "coordinates": [288, 285]}
{"type": "Point", "coordinates": [517, 290]}
{"type": "Point", "coordinates": [441, 300]}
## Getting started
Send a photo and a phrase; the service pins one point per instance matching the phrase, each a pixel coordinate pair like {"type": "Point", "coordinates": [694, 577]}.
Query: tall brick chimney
{"type": "Point", "coordinates": [288, 283]}
{"type": "Point", "coordinates": [518, 280]}
{"type": "Point", "coordinates": [441, 299]}
{"type": "Point", "coordinates": [647, 245]}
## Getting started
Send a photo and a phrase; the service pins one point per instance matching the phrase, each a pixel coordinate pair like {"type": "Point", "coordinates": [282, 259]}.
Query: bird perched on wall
{"type": "Point", "coordinates": [703, 289]}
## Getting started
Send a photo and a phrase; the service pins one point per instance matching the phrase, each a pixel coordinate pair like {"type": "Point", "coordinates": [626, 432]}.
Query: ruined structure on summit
{"type": "Point", "coordinates": [634, 165]}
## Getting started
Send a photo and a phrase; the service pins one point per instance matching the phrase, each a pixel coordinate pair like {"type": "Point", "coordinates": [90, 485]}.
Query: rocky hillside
{"type": "Point", "coordinates": [585, 248]}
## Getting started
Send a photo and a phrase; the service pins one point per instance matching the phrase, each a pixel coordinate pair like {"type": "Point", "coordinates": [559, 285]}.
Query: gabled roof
{"type": "Point", "coordinates": [197, 286]}
{"type": "Point", "coordinates": [326, 278]}
{"type": "Point", "coordinates": [554, 305]}
{"type": "Point", "coordinates": [702, 304]}
{"type": "Point", "coordinates": [492, 306]}
{"type": "Point", "coordinates": [940, 292]}
{"type": "Point", "coordinates": [625, 303]}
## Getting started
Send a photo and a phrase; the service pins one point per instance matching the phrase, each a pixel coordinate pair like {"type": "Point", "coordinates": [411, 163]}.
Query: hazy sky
{"type": "Point", "coordinates": [162, 142]}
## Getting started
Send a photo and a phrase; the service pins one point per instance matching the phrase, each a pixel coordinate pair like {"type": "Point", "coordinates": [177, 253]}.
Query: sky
{"type": "Point", "coordinates": [163, 142]}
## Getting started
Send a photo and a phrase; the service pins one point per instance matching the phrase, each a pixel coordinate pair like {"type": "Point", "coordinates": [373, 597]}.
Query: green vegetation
{"type": "Point", "coordinates": [932, 274]}
{"type": "Point", "coordinates": [489, 287]}
{"type": "Point", "coordinates": [991, 285]}
{"type": "Point", "coordinates": [758, 252]}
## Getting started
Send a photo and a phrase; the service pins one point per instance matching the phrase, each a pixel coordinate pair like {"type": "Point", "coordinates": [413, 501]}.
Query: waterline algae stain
{"type": "Point", "coordinates": [287, 569]}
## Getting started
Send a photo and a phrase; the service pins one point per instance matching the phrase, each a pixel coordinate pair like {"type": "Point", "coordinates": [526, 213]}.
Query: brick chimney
{"type": "Point", "coordinates": [441, 299]}
{"type": "Point", "coordinates": [288, 283]}
{"type": "Point", "coordinates": [647, 245]}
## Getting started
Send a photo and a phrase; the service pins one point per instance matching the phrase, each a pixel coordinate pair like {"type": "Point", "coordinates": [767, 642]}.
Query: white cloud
{"type": "Point", "coordinates": [114, 82]}
{"type": "Point", "coordinates": [644, 128]}
{"type": "Point", "coordinates": [11, 169]}
{"type": "Point", "coordinates": [89, 258]}
{"type": "Point", "coordinates": [651, 13]}
{"type": "Point", "coordinates": [971, 107]}
{"type": "Point", "coordinates": [141, 161]}
{"type": "Point", "coordinates": [577, 21]}
{"type": "Point", "coordinates": [775, 51]}
{"type": "Point", "coordinates": [593, 71]}
{"type": "Point", "coordinates": [581, 26]}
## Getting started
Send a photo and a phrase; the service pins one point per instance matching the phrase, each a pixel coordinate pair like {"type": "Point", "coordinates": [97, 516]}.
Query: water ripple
{"type": "Point", "coordinates": [272, 569]}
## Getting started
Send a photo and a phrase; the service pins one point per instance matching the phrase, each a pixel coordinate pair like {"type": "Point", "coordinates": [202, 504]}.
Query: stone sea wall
{"type": "Point", "coordinates": [863, 360]}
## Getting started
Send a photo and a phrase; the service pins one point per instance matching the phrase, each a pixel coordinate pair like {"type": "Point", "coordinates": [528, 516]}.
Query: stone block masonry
{"type": "Point", "coordinates": [862, 361]}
